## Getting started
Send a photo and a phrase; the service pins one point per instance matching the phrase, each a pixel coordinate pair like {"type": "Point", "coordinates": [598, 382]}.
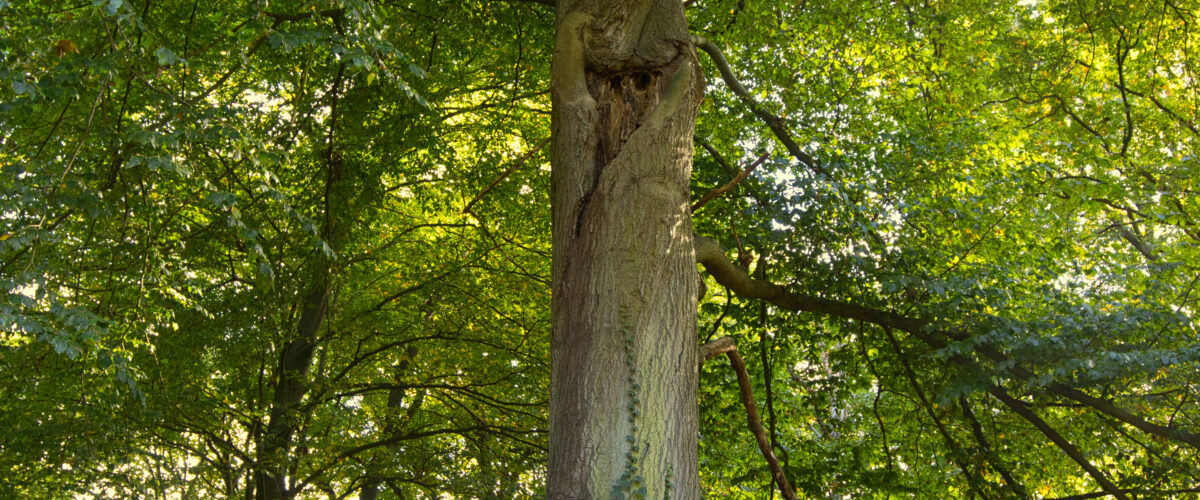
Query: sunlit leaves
{"type": "Point", "coordinates": [992, 174]}
{"type": "Point", "coordinates": [1021, 174]}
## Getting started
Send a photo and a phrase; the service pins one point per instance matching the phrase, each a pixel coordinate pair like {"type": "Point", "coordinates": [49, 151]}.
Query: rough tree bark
{"type": "Point", "coordinates": [623, 414]}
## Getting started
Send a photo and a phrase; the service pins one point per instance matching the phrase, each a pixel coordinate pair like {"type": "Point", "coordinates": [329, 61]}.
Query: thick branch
{"type": "Point", "coordinates": [1066, 446]}
{"type": "Point", "coordinates": [716, 348]}
{"type": "Point", "coordinates": [773, 122]}
{"type": "Point", "coordinates": [712, 257]}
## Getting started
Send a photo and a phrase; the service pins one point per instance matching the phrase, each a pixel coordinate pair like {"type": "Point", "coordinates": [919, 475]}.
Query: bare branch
{"type": "Point", "coordinates": [773, 122]}
{"type": "Point", "coordinates": [721, 190]}
{"type": "Point", "coordinates": [726, 345]}
{"type": "Point", "coordinates": [716, 348]}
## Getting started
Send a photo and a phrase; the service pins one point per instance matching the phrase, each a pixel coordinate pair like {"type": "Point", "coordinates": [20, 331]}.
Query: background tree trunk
{"type": "Point", "coordinates": [623, 414]}
{"type": "Point", "coordinates": [275, 453]}
{"type": "Point", "coordinates": [292, 373]}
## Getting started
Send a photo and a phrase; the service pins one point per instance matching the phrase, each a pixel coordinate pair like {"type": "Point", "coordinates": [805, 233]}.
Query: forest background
{"type": "Point", "coordinates": [302, 248]}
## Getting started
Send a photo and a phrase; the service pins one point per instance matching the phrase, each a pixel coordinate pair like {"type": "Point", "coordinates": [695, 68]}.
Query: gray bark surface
{"type": "Point", "coordinates": [623, 410]}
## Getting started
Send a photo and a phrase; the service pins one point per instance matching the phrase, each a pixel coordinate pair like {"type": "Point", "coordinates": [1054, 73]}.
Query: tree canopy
{"type": "Point", "coordinates": [301, 248]}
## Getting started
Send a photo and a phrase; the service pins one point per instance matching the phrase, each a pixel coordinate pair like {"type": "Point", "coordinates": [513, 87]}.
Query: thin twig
{"type": "Point", "coordinates": [86, 129]}
{"type": "Point", "coordinates": [517, 164]}
{"type": "Point", "coordinates": [723, 189]}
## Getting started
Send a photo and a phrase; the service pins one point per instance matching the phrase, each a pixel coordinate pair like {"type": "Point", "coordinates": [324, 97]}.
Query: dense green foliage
{"type": "Point", "coordinates": [178, 177]}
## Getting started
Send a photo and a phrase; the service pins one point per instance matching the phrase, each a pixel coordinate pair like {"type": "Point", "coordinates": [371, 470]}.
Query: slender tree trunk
{"type": "Point", "coordinates": [274, 454]}
{"type": "Point", "coordinates": [623, 413]}
{"type": "Point", "coordinates": [294, 362]}
{"type": "Point", "coordinates": [392, 422]}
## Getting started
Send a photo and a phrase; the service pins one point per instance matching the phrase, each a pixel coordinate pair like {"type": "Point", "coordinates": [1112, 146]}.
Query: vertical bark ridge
{"type": "Point", "coordinates": [624, 370]}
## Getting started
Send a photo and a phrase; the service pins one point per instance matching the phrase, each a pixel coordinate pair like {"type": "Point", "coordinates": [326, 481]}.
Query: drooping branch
{"type": "Point", "coordinates": [1062, 104]}
{"type": "Point", "coordinates": [1020, 409]}
{"type": "Point", "coordinates": [774, 122]}
{"type": "Point", "coordinates": [726, 345]}
{"type": "Point", "coordinates": [1188, 124]}
{"type": "Point", "coordinates": [710, 255]}
{"type": "Point", "coordinates": [883, 434]}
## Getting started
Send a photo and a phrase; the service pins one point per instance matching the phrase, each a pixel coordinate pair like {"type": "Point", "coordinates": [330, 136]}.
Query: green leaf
{"type": "Point", "coordinates": [166, 57]}
{"type": "Point", "coordinates": [112, 7]}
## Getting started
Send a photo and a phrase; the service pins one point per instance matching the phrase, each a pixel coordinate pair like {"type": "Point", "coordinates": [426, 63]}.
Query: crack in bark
{"type": "Point", "coordinates": [583, 204]}
{"type": "Point", "coordinates": [624, 102]}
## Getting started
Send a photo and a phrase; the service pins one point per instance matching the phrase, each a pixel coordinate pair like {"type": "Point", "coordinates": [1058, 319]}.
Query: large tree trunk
{"type": "Point", "coordinates": [623, 415]}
